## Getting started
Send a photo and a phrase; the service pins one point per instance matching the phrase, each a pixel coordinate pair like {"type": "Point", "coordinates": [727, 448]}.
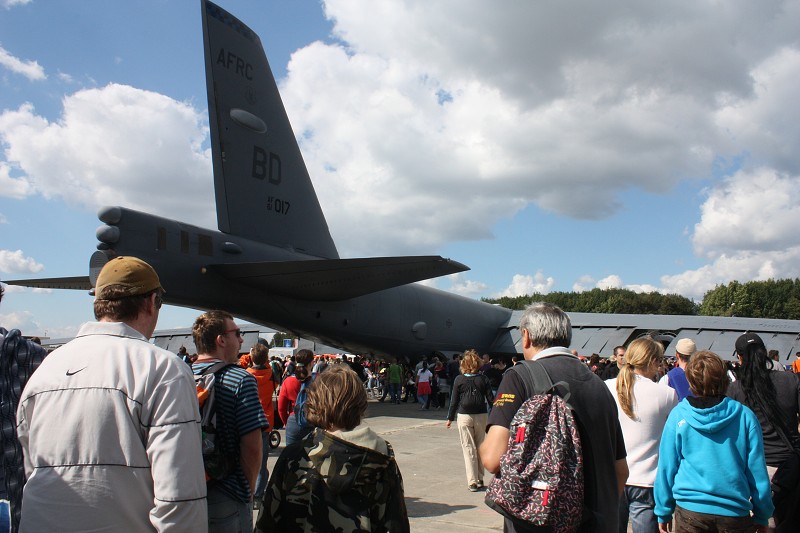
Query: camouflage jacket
{"type": "Point", "coordinates": [325, 484]}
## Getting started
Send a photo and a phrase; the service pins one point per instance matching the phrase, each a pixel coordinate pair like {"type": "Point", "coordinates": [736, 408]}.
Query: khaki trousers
{"type": "Point", "coordinates": [472, 430]}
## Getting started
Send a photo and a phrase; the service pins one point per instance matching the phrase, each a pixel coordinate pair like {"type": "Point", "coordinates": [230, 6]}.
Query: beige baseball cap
{"type": "Point", "coordinates": [131, 273]}
{"type": "Point", "coordinates": [686, 347]}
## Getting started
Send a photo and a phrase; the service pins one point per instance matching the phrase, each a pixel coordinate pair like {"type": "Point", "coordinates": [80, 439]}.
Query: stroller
{"type": "Point", "coordinates": [275, 425]}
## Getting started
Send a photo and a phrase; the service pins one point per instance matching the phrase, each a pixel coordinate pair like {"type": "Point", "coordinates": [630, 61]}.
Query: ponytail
{"type": "Point", "coordinates": [302, 359]}
{"type": "Point", "coordinates": [625, 382]}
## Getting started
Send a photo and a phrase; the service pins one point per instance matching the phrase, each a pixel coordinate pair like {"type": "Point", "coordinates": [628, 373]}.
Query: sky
{"type": "Point", "coordinates": [549, 146]}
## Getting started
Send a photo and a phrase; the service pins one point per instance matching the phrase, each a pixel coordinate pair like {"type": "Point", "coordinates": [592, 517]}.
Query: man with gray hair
{"type": "Point", "coordinates": [546, 335]}
{"type": "Point", "coordinates": [676, 378]}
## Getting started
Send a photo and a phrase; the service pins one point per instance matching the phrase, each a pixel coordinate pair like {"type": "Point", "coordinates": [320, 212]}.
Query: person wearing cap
{"type": "Point", "coordinates": [676, 378]}
{"type": "Point", "coordinates": [19, 358]}
{"type": "Point", "coordinates": [775, 399]}
{"type": "Point", "coordinates": [109, 423]}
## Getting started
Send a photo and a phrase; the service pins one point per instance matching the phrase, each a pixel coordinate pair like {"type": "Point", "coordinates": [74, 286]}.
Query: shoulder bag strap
{"type": "Point", "coordinates": [534, 376]}
{"type": "Point", "coordinates": [537, 380]}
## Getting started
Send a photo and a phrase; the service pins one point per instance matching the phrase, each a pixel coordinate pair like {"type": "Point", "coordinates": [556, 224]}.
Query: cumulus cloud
{"type": "Point", "coordinates": [27, 323]}
{"type": "Point", "coordinates": [30, 69]}
{"type": "Point", "coordinates": [465, 287]}
{"type": "Point", "coordinates": [113, 145]}
{"type": "Point", "coordinates": [13, 187]}
{"type": "Point", "coordinates": [8, 4]}
{"type": "Point", "coordinates": [523, 284]}
{"type": "Point", "coordinates": [436, 138]}
{"type": "Point", "coordinates": [747, 231]}
{"type": "Point", "coordinates": [15, 261]}
{"type": "Point", "coordinates": [613, 281]}
{"type": "Point", "coordinates": [417, 142]}
{"type": "Point", "coordinates": [23, 321]}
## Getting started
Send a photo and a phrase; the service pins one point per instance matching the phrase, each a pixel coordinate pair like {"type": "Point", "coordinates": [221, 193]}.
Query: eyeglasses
{"type": "Point", "coordinates": [235, 331]}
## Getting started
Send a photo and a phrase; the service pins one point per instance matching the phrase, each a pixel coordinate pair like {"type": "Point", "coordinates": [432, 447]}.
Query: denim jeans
{"type": "Point", "coordinates": [394, 388]}
{"type": "Point", "coordinates": [638, 504]}
{"type": "Point", "coordinates": [263, 475]}
{"type": "Point", "coordinates": [295, 433]}
{"type": "Point", "coordinates": [226, 514]}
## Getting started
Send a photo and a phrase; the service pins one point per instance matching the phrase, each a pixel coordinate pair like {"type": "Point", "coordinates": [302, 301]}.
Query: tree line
{"type": "Point", "coordinates": [756, 299]}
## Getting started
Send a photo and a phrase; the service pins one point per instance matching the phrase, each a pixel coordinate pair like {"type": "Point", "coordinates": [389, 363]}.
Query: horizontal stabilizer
{"type": "Point", "coordinates": [78, 283]}
{"type": "Point", "coordinates": [337, 279]}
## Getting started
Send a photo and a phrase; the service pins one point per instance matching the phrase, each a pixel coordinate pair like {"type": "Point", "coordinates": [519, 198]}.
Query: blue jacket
{"type": "Point", "coordinates": [712, 461]}
{"type": "Point", "coordinates": [676, 378]}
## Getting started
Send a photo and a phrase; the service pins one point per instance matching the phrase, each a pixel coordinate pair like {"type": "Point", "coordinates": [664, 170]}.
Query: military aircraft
{"type": "Point", "coordinates": [273, 261]}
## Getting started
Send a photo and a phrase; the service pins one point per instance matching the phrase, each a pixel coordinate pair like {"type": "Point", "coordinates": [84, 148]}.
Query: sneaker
{"type": "Point", "coordinates": [480, 484]}
{"type": "Point", "coordinates": [473, 488]}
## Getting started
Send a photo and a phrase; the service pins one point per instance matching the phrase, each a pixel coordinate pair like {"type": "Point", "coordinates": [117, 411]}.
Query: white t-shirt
{"type": "Point", "coordinates": [652, 403]}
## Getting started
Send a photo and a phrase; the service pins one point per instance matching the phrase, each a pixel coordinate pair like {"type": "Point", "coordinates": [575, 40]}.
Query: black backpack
{"type": "Point", "coordinates": [217, 463]}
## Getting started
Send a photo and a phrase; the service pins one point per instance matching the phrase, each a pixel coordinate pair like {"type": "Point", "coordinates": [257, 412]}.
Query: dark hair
{"type": "Point", "coordinates": [707, 374]}
{"type": "Point", "coordinates": [122, 308]}
{"type": "Point", "coordinates": [259, 354]}
{"type": "Point", "coordinates": [302, 359]}
{"type": "Point", "coordinates": [759, 391]}
{"type": "Point", "coordinates": [336, 399]}
{"type": "Point", "coordinates": [206, 329]}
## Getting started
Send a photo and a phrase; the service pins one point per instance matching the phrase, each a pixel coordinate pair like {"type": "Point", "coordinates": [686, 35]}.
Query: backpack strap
{"type": "Point", "coordinates": [216, 367]}
{"type": "Point", "coordinates": [537, 380]}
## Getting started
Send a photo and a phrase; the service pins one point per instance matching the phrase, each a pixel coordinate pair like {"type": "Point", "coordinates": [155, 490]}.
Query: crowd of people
{"type": "Point", "coordinates": [685, 443]}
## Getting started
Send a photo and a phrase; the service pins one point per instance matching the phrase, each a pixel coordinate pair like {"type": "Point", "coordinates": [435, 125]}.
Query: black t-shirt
{"type": "Point", "coordinates": [598, 424]}
{"type": "Point", "coordinates": [610, 371]}
{"type": "Point", "coordinates": [495, 376]}
{"type": "Point", "coordinates": [787, 390]}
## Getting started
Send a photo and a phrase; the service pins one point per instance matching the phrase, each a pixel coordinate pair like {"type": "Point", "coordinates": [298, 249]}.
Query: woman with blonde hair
{"type": "Point", "coordinates": [344, 477]}
{"type": "Point", "coordinates": [643, 410]}
{"type": "Point", "coordinates": [471, 395]}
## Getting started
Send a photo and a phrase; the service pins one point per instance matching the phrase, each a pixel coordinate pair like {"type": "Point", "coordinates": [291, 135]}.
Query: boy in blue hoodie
{"type": "Point", "coordinates": [711, 469]}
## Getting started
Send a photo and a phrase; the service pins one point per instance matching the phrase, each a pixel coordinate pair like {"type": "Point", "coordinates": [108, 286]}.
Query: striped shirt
{"type": "Point", "coordinates": [238, 413]}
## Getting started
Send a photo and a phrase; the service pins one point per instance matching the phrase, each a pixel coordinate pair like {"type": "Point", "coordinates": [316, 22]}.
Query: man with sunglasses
{"type": "Point", "coordinates": [240, 421]}
{"type": "Point", "coordinates": [109, 423]}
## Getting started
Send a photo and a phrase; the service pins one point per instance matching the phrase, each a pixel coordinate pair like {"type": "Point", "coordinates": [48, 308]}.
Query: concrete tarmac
{"type": "Point", "coordinates": [434, 477]}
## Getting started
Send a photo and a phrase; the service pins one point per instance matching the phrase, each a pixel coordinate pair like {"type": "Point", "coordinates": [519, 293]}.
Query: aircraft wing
{"type": "Point", "coordinates": [78, 283]}
{"type": "Point", "coordinates": [337, 279]}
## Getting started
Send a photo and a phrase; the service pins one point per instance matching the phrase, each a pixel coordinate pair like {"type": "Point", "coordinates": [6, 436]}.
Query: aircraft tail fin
{"type": "Point", "coordinates": [336, 279]}
{"type": "Point", "coordinates": [262, 187]}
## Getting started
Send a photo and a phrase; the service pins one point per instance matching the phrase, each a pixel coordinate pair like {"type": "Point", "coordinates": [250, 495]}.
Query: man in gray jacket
{"type": "Point", "coordinates": [109, 423]}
